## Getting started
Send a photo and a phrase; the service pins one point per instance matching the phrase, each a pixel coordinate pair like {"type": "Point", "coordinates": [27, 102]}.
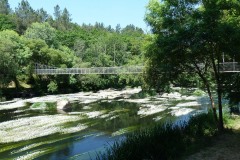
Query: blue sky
{"type": "Point", "coordinates": [110, 12]}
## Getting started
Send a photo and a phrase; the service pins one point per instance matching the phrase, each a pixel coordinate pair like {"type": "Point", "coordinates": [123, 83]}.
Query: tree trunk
{"type": "Point", "coordinates": [16, 83]}
{"type": "Point", "coordinates": [212, 103]}
{"type": "Point", "coordinates": [218, 82]}
{"type": "Point", "coordinates": [220, 122]}
{"type": "Point", "coordinates": [208, 91]}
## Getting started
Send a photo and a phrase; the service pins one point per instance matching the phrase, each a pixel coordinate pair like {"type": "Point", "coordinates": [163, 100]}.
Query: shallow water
{"type": "Point", "coordinates": [38, 130]}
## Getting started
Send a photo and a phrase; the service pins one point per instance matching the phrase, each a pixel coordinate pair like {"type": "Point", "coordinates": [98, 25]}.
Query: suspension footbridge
{"type": "Point", "coordinates": [48, 70]}
{"type": "Point", "coordinates": [226, 67]}
{"type": "Point", "coordinates": [229, 67]}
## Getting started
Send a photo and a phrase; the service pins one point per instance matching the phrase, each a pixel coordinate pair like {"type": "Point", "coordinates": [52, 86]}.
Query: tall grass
{"type": "Point", "coordinates": [164, 141]}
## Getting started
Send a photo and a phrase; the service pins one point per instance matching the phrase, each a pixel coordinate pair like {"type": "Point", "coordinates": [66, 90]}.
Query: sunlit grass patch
{"type": "Point", "coordinates": [45, 106]}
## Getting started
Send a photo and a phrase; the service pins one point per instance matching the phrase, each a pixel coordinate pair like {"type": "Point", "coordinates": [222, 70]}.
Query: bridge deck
{"type": "Point", "coordinates": [93, 70]}
{"type": "Point", "coordinates": [229, 67]}
{"type": "Point", "coordinates": [226, 67]}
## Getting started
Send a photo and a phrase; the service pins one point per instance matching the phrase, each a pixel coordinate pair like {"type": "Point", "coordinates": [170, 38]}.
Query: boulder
{"type": "Point", "coordinates": [63, 105]}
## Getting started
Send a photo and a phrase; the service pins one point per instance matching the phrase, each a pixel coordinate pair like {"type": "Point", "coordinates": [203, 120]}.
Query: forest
{"type": "Point", "coordinates": [29, 36]}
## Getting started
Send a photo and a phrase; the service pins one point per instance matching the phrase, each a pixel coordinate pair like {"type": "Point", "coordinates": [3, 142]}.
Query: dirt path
{"type": "Point", "coordinates": [224, 147]}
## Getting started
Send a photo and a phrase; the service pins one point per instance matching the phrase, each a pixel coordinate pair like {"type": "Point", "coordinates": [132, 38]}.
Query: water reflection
{"type": "Point", "coordinates": [116, 119]}
{"type": "Point", "coordinates": [85, 148]}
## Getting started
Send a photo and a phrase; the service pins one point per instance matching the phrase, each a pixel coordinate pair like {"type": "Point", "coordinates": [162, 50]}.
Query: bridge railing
{"type": "Point", "coordinates": [229, 67]}
{"type": "Point", "coordinates": [93, 70]}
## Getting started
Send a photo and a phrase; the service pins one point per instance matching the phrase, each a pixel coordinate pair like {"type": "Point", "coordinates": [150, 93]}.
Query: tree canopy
{"type": "Point", "coordinates": [189, 37]}
{"type": "Point", "coordinates": [31, 36]}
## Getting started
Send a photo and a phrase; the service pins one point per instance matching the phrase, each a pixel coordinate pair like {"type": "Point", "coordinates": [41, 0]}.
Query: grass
{"type": "Point", "coordinates": [164, 141]}
{"type": "Point", "coordinates": [224, 146]}
{"type": "Point", "coordinates": [45, 106]}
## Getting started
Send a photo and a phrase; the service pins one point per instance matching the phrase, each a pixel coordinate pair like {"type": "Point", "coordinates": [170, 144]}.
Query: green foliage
{"type": "Point", "coordinates": [25, 15]}
{"type": "Point", "coordinates": [169, 141]}
{"type": "Point", "coordinates": [62, 18]}
{"type": "Point", "coordinates": [198, 92]}
{"type": "Point", "coordinates": [14, 56]}
{"type": "Point", "coordinates": [52, 87]}
{"type": "Point", "coordinates": [190, 37]}
{"type": "Point", "coordinates": [43, 106]}
{"type": "Point", "coordinates": [60, 43]}
{"type": "Point", "coordinates": [42, 31]}
{"type": "Point", "coordinates": [7, 22]}
{"type": "Point", "coordinates": [4, 7]}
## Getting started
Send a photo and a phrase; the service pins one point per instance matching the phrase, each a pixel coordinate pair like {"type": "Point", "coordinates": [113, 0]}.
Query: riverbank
{"type": "Point", "coordinates": [223, 147]}
{"type": "Point", "coordinates": [165, 141]}
{"type": "Point", "coordinates": [196, 140]}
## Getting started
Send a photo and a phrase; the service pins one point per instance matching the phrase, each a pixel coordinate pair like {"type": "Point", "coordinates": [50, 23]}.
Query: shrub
{"type": "Point", "coordinates": [198, 92]}
{"type": "Point", "coordinates": [52, 87]}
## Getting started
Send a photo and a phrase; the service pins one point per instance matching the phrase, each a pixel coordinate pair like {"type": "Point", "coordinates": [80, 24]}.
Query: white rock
{"type": "Point", "coordinates": [63, 105]}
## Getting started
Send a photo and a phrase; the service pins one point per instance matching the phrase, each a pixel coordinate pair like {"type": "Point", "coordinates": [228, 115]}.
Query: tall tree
{"type": "Point", "coordinates": [118, 28]}
{"type": "Point", "coordinates": [62, 18]}
{"type": "Point", "coordinates": [26, 15]}
{"type": "Point", "coordinates": [4, 7]}
{"type": "Point", "coordinates": [57, 13]}
{"type": "Point", "coordinates": [190, 36]}
{"type": "Point", "coordinates": [66, 19]}
{"type": "Point", "coordinates": [42, 15]}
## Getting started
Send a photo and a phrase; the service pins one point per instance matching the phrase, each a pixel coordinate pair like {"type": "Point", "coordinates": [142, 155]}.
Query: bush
{"type": "Point", "coordinates": [198, 92]}
{"type": "Point", "coordinates": [168, 141]}
{"type": "Point", "coordinates": [52, 87]}
{"type": "Point", "coordinates": [44, 106]}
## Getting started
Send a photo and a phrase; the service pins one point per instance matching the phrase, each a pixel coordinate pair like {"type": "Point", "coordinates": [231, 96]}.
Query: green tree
{"type": "Point", "coordinates": [62, 18]}
{"type": "Point", "coordinates": [79, 47]}
{"type": "Point", "coordinates": [7, 22]}
{"type": "Point", "coordinates": [18, 55]}
{"type": "Point", "coordinates": [42, 31]}
{"type": "Point", "coordinates": [4, 7]}
{"type": "Point", "coordinates": [26, 15]}
{"type": "Point", "coordinates": [42, 15]}
{"type": "Point", "coordinates": [190, 36]}
{"type": "Point", "coordinates": [118, 28]}
{"type": "Point", "coordinates": [8, 64]}
{"type": "Point", "coordinates": [66, 19]}
{"type": "Point", "coordinates": [38, 49]}
{"type": "Point", "coordinates": [57, 13]}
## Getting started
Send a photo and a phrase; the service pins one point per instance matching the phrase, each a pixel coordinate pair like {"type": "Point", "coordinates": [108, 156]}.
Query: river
{"type": "Point", "coordinates": [36, 128]}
